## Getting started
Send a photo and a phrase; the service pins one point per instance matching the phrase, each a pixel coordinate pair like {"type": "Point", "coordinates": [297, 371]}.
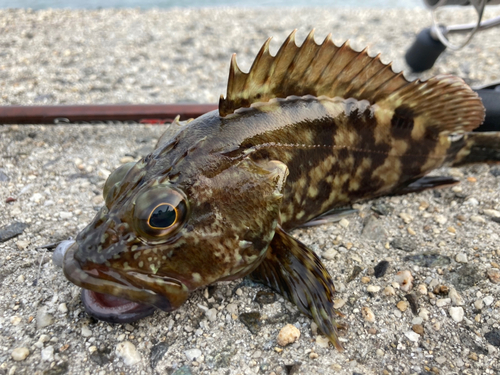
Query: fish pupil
{"type": "Point", "coordinates": [163, 216]}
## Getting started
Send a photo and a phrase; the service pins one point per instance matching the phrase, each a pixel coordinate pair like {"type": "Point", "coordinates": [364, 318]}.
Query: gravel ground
{"type": "Point", "coordinates": [446, 321]}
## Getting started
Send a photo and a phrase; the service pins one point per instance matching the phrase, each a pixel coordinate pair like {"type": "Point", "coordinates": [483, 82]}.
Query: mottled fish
{"type": "Point", "coordinates": [309, 130]}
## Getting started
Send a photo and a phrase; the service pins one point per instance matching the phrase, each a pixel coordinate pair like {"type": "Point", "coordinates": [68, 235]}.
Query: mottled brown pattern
{"type": "Point", "coordinates": [314, 128]}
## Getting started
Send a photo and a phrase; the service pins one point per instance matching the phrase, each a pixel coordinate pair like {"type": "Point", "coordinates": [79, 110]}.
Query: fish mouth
{"type": "Point", "coordinates": [117, 296]}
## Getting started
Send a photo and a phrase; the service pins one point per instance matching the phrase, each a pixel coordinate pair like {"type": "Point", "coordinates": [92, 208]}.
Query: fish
{"type": "Point", "coordinates": [309, 130]}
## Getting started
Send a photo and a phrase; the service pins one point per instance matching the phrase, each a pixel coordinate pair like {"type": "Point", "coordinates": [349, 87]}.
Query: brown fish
{"type": "Point", "coordinates": [309, 130]}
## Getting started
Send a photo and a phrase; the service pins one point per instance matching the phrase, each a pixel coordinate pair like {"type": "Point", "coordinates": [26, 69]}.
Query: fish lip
{"type": "Point", "coordinates": [116, 285]}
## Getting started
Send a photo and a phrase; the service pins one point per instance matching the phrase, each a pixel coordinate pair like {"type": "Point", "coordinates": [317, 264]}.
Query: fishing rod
{"type": "Point", "coordinates": [102, 114]}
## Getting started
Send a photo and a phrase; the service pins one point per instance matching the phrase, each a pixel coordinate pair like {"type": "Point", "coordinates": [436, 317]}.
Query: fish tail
{"type": "Point", "coordinates": [481, 147]}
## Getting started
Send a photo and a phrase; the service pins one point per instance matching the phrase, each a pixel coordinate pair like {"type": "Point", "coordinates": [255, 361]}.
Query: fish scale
{"type": "Point", "coordinates": [309, 130]}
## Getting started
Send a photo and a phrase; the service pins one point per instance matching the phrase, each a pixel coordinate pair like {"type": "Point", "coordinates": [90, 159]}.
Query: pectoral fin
{"type": "Point", "coordinates": [298, 274]}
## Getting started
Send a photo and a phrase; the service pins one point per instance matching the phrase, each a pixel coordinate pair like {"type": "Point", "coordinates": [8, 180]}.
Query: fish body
{"type": "Point", "coordinates": [309, 130]}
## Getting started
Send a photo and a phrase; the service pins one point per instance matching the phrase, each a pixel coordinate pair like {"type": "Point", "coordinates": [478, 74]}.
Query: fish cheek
{"type": "Point", "coordinates": [235, 215]}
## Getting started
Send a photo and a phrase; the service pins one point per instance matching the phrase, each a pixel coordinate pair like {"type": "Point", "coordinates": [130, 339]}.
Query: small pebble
{"type": "Point", "coordinates": [47, 354]}
{"type": "Point", "coordinates": [477, 219]}
{"type": "Point", "coordinates": [418, 329]}
{"type": "Point", "coordinates": [441, 289]}
{"type": "Point", "coordinates": [389, 291]}
{"type": "Point", "coordinates": [43, 319]}
{"type": "Point", "coordinates": [313, 355]}
{"type": "Point", "coordinates": [402, 305]}
{"type": "Point", "coordinates": [381, 268]}
{"type": "Point", "coordinates": [456, 313]}
{"type": "Point", "coordinates": [478, 304]}
{"type": "Point", "coordinates": [472, 201]}
{"type": "Point", "coordinates": [405, 280]}
{"type": "Point", "coordinates": [440, 219]}
{"type": "Point", "coordinates": [488, 300]}
{"type": "Point", "coordinates": [338, 303]}
{"type": "Point", "coordinates": [330, 254]}
{"type": "Point", "coordinates": [456, 298]}
{"type": "Point", "coordinates": [473, 356]}
{"type": "Point", "coordinates": [365, 279]}
{"type": "Point", "coordinates": [192, 354]}
{"type": "Point", "coordinates": [491, 213]}
{"type": "Point", "coordinates": [62, 308]}
{"type": "Point", "coordinates": [372, 288]}
{"type": "Point", "coordinates": [441, 302]}
{"type": "Point", "coordinates": [86, 332]}
{"type": "Point", "coordinates": [412, 336]}
{"type": "Point", "coordinates": [422, 289]}
{"type": "Point", "coordinates": [322, 341]}
{"type": "Point", "coordinates": [20, 354]}
{"type": "Point", "coordinates": [406, 217]}
{"type": "Point", "coordinates": [461, 258]}
{"type": "Point", "coordinates": [65, 215]}
{"type": "Point", "coordinates": [20, 279]}
{"type": "Point", "coordinates": [367, 314]}
{"type": "Point", "coordinates": [288, 335]}
{"type": "Point", "coordinates": [493, 275]}
{"type": "Point", "coordinates": [380, 352]}
{"type": "Point", "coordinates": [127, 351]}
{"type": "Point", "coordinates": [211, 315]}
{"type": "Point", "coordinates": [344, 223]}
{"type": "Point", "coordinates": [424, 313]}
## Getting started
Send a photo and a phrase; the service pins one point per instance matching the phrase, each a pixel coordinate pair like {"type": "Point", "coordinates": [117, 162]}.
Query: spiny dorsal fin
{"type": "Point", "coordinates": [329, 70]}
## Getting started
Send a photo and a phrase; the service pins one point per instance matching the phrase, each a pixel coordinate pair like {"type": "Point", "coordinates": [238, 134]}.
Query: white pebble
{"type": "Point", "coordinates": [65, 215]}
{"type": "Point", "coordinates": [288, 334]}
{"type": "Point", "coordinates": [456, 313]}
{"type": "Point", "coordinates": [405, 280]}
{"type": "Point", "coordinates": [472, 201]}
{"type": "Point", "coordinates": [492, 213]}
{"type": "Point", "coordinates": [86, 332]}
{"type": "Point", "coordinates": [422, 289]}
{"type": "Point", "coordinates": [443, 302]}
{"type": "Point", "coordinates": [192, 354]}
{"type": "Point", "coordinates": [20, 279]}
{"type": "Point", "coordinates": [372, 288]}
{"type": "Point", "coordinates": [389, 291]}
{"type": "Point", "coordinates": [344, 223]}
{"type": "Point", "coordinates": [477, 219]}
{"type": "Point", "coordinates": [417, 320]}
{"type": "Point", "coordinates": [127, 351]}
{"type": "Point", "coordinates": [43, 338]}
{"type": "Point", "coordinates": [62, 308]}
{"type": "Point", "coordinates": [440, 219]}
{"type": "Point", "coordinates": [456, 298]}
{"type": "Point", "coordinates": [330, 254]}
{"type": "Point", "coordinates": [20, 354]}
{"type": "Point", "coordinates": [322, 341]}
{"type": "Point", "coordinates": [211, 315]}
{"type": "Point", "coordinates": [488, 300]}
{"type": "Point", "coordinates": [37, 197]}
{"type": "Point", "coordinates": [461, 258]}
{"type": "Point", "coordinates": [479, 304]}
{"type": "Point", "coordinates": [368, 314]}
{"type": "Point", "coordinates": [48, 354]}
{"type": "Point", "coordinates": [232, 308]}
{"type": "Point", "coordinates": [43, 318]}
{"type": "Point", "coordinates": [424, 313]}
{"type": "Point", "coordinates": [412, 336]}
{"type": "Point", "coordinates": [406, 217]}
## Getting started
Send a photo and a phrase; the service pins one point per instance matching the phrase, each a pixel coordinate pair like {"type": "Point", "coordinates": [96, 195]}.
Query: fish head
{"type": "Point", "coordinates": [157, 240]}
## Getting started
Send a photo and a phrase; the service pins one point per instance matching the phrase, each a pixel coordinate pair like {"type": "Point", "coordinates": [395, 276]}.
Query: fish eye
{"type": "Point", "coordinates": [159, 211]}
{"type": "Point", "coordinates": [163, 216]}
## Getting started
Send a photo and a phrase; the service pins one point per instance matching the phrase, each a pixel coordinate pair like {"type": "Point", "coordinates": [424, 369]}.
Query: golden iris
{"type": "Point", "coordinates": [159, 212]}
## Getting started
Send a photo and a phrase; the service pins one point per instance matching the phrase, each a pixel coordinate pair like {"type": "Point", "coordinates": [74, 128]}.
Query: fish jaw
{"type": "Point", "coordinates": [120, 297]}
